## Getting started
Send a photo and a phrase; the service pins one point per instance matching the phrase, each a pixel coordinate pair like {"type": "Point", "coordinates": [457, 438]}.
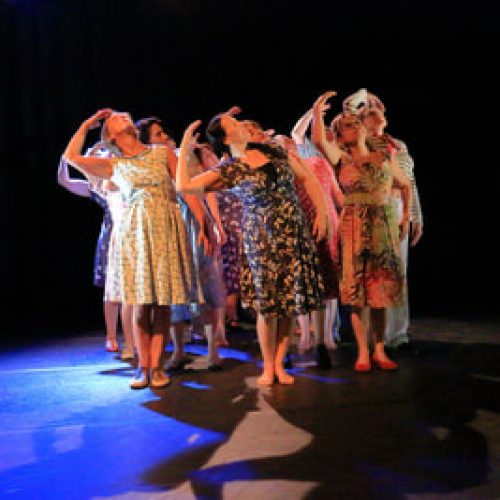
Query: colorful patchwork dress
{"type": "Point", "coordinates": [371, 269]}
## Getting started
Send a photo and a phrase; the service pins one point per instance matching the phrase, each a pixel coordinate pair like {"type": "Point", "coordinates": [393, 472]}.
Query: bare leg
{"type": "Point", "coordinates": [210, 326]}
{"type": "Point", "coordinates": [159, 330]}
{"type": "Point", "coordinates": [360, 333]}
{"type": "Point", "coordinates": [305, 342]}
{"type": "Point", "coordinates": [378, 327]}
{"type": "Point", "coordinates": [282, 341]}
{"type": "Point", "coordinates": [177, 334]}
{"type": "Point", "coordinates": [232, 307]}
{"type": "Point", "coordinates": [142, 333]}
{"type": "Point", "coordinates": [266, 332]}
{"type": "Point", "coordinates": [220, 327]}
{"type": "Point", "coordinates": [331, 310]}
{"type": "Point", "coordinates": [111, 310]}
{"type": "Point", "coordinates": [318, 318]}
{"type": "Point", "coordinates": [127, 328]}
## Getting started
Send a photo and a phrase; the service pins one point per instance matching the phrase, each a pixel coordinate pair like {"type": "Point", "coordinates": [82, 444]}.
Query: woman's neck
{"type": "Point", "coordinates": [130, 146]}
{"type": "Point", "coordinates": [238, 149]}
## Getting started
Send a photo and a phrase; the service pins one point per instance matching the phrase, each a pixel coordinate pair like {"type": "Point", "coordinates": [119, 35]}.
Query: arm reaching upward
{"type": "Point", "coordinates": [300, 129]}
{"type": "Point", "coordinates": [328, 148]}
{"type": "Point", "coordinates": [100, 167]}
{"type": "Point", "coordinates": [183, 180]}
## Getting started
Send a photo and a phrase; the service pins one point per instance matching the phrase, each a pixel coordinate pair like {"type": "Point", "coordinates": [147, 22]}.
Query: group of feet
{"type": "Point", "coordinates": [156, 378]}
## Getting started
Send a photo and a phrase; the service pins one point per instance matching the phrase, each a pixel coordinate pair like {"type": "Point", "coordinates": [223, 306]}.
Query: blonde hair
{"type": "Point", "coordinates": [108, 143]}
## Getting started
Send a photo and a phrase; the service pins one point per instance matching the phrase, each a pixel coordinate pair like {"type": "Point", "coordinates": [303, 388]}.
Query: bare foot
{"type": "Point", "coordinates": [266, 379]}
{"type": "Point", "coordinates": [284, 378]}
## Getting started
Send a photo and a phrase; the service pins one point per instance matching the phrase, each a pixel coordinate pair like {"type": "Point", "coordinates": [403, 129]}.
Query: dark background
{"type": "Point", "coordinates": [432, 64]}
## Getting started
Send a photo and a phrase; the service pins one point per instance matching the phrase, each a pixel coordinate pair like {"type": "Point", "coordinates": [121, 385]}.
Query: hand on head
{"type": "Point", "coordinates": [95, 119]}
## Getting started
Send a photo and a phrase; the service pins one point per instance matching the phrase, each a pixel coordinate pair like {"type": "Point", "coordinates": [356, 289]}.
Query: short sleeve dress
{"type": "Point", "coordinates": [153, 262]}
{"type": "Point", "coordinates": [279, 273]}
{"type": "Point", "coordinates": [371, 269]}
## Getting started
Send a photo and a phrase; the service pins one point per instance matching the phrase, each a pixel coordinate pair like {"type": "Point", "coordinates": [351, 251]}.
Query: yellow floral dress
{"type": "Point", "coordinates": [152, 259]}
{"type": "Point", "coordinates": [371, 270]}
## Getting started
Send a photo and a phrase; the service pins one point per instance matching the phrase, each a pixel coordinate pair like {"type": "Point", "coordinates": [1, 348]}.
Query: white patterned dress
{"type": "Point", "coordinates": [152, 259]}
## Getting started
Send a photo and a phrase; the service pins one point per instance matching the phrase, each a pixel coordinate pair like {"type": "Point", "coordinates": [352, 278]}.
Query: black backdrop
{"type": "Point", "coordinates": [432, 64]}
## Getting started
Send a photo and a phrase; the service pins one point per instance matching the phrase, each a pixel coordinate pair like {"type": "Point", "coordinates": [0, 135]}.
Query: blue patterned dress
{"type": "Point", "coordinates": [102, 246]}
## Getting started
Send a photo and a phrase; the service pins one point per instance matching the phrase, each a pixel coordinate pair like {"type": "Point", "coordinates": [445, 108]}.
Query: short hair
{"type": "Point", "coordinates": [216, 135]}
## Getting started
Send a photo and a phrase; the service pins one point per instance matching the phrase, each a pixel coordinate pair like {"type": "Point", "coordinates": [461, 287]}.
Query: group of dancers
{"type": "Point", "coordinates": [287, 226]}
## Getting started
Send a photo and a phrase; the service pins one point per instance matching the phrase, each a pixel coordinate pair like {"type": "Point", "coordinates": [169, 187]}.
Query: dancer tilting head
{"type": "Point", "coordinates": [155, 267]}
{"type": "Point", "coordinates": [372, 274]}
{"type": "Point", "coordinates": [202, 235]}
{"type": "Point", "coordinates": [279, 276]}
{"type": "Point", "coordinates": [372, 113]}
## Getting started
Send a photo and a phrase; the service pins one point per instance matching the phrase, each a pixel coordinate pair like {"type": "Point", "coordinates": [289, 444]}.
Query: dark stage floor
{"type": "Point", "coordinates": [71, 428]}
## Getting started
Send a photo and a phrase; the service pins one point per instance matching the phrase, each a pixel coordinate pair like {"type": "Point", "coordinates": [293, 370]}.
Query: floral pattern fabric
{"type": "Point", "coordinates": [279, 273]}
{"type": "Point", "coordinates": [152, 259]}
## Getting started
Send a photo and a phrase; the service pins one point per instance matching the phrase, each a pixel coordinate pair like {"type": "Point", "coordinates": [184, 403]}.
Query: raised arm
{"type": "Point", "coordinates": [99, 167]}
{"type": "Point", "coordinates": [200, 183]}
{"type": "Point", "coordinates": [209, 160]}
{"type": "Point", "coordinates": [300, 129]}
{"type": "Point", "coordinates": [329, 148]}
{"type": "Point", "coordinates": [80, 187]}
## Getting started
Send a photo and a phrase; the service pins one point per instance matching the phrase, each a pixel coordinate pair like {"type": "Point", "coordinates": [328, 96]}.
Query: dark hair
{"type": "Point", "coordinates": [254, 124]}
{"type": "Point", "coordinates": [144, 126]}
{"type": "Point", "coordinates": [216, 134]}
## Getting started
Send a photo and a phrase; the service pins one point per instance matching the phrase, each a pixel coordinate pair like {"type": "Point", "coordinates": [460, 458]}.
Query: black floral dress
{"type": "Point", "coordinates": [279, 271]}
{"type": "Point", "coordinates": [231, 213]}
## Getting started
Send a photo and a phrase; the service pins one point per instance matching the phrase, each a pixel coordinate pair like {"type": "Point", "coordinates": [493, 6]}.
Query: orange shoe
{"type": "Point", "coordinates": [385, 365]}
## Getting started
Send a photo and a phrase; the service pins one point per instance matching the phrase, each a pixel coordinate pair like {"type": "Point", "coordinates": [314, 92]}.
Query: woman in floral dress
{"type": "Point", "coordinates": [155, 266]}
{"type": "Point", "coordinates": [279, 277]}
{"type": "Point", "coordinates": [372, 274]}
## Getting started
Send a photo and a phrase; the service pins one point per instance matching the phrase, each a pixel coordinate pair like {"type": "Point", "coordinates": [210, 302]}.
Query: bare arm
{"type": "Point", "coordinates": [300, 129]}
{"type": "Point", "coordinates": [200, 183]}
{"type": "Point", "coordinates": [322, 225]}
{"type": "Point", "coordinates": [209, 160]}
{"type": "Point", "coordinates": [99, 167]}
{"type": "Point", "coordinates": [328, 148]}
{"type": "Point", "coordinates": [401, 180]}
{"type": "Point", "coordinates": [79, 187]}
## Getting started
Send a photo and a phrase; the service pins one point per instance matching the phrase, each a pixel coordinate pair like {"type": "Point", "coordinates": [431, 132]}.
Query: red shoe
{"type": "Point", "coordinates": [385, 365]}
{"type": "Point", "coordinates": [362, 367]}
